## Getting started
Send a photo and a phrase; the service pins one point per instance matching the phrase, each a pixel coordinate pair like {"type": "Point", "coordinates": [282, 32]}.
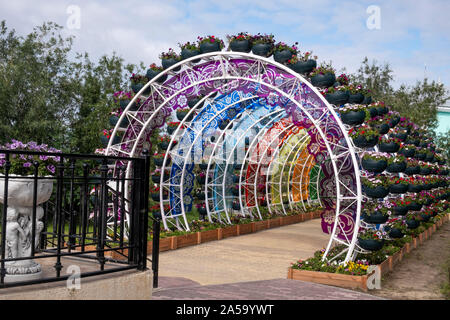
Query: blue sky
{"type": "Point", "coordinates": [412, 34]}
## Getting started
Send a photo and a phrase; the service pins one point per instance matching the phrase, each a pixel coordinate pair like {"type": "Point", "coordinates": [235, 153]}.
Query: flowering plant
{"type": "Point", "coordinates": [122, 95]}
{"type": "Point", "coordinates": [200, 205]}
{"type": "Point", "coordinates": [413, 216]}
{"type": "Point", "coordinates": [211, 39]}
{"type": "Point", "coordinates": [137, 78]}
{"type": "Point", "coordinates": [171, 54]}
{"type": "Point", "coordinates": [376, 121]}
{"type": "Point", "coordinates": [407, 147]}
{"type": "Point", "coordinates": [334, 89]}
{"type": "Point", "coordinates": [363, 131]}
{"type": "Point", "coordinates": [385, 207]}
{"type": "Point", "coordinates": [280, 46]}
{"type": "Point", "coordinates": [165, 138]}
{"type": "Point", "coordinates": [352, 107]}
{"type": "Point", "coordinates": [371, 234]}
{"type": "Point", "coordinates": [154, 67]}
{"type": "Point", "coordinates": [323, 69]}
{"type": "Point", "coordinates": [159, 155]}
{"type": "Point", "coordinates": [356, 88]}
{"type": "Point", "coordinates": [398, 180]}
{"type": "Point", "coordinates": [343, 79]}
{"type": "Point", "coordinates": [188, 46]}
{"type": "Point", "coordinates": [397, 223]}
{"type": "Point", "coordinates": [239, 36]}
{"type": "Point", "coordinates": [301, 57]}
{"type": "Point", "coordinates": [23, 164]}
{"type": "Point", "coordinates": [396, 159]}
{"type": "Point", "coordinates": [376, 181]}
{"type": "Point", "coordinates": [372, 155]}
{"type": "Point", "coordinates": [173, 124]}
{"type": "Point", "coordinates": [263, 38]}
{"type": "Point", "coordinates": [384, 139]}
{"type": "Point", "coordinates": [399, 202]}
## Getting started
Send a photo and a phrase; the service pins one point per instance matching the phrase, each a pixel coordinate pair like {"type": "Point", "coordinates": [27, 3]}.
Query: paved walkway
{"type": "Point", "coordinates": [252, 266]}
{"type": "Point", "coordinates": [275, 289]}
{"type": "Point", "coordinates": [262, 255]}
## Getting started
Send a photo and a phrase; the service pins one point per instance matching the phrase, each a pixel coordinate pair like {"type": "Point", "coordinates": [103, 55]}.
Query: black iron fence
{"type": "Point", "coordinates": [93, 208]}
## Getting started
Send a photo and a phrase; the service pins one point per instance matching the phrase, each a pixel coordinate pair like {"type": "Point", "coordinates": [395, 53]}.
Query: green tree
{"type": "Point", "coordinates": [47, 97]}
{"type": "Point", "coordinates": [418, 102]}
{"type": "Point", "coordinates": [377, 78]}
{"type": "Point", "coordinates": [94, 95]}
{"type": "Point", "coordinates": [36, 88]}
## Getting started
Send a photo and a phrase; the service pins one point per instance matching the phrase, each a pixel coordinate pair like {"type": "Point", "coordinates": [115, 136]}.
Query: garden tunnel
{"type": "Point", "coordinates": [255, 137]}
{"type": "Point", "coordinates": [257, 133]}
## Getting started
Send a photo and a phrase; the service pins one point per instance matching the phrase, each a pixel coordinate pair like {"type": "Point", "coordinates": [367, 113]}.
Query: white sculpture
{"type": "Point", "coordinates": [19, 225]}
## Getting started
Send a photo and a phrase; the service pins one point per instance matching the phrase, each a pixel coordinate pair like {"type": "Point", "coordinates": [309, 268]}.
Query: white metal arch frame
{"type": "Point", "coordinates": [247, 160]}
{"type": "Point", "coordinates": [229, 74]}
{"type": "Point", "coordinates": [222, 183]}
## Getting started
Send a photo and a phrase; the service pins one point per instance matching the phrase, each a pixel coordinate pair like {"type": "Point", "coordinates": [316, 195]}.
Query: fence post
{"type": "Point", "coordinates": [144, 211]}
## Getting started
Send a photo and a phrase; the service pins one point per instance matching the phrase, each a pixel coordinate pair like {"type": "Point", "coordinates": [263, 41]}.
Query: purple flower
{"type": "Point", "coordinates": [27, 164]}
{"type": "Point", "coordinates": [51, 168]}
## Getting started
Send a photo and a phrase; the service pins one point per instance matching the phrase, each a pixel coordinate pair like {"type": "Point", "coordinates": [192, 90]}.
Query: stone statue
{"type": "Point", "coordinates": [19, 227]}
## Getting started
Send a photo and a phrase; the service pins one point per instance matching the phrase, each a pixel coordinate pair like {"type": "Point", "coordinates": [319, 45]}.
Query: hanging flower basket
{"type": "Point", "coordinates": [400, 210]}
{"type": "Point", "coordinates": [303, 67]}
{"type": "Point", "coordinates": [412, 224]}
{"type": "Point", "coordinates": [356, 98]}
{"type": "Point", "coordinates": [323, 80]}
{"type": "Point", "coordinates": [240, 42]}
{"type": "Point", "coordinates": [240, 45]}
{"type": "Point", "coordinates": [364, 136]}
{"type": "Point", "coordinates": [375, 217]}
{"type": "Point", "coordinates": [414, 188]}
{"type": "Point", "coordinates": [352, 118]}
{"type": "Point", "coordinates": [376, 192]}
{"type": "Point", "coordinates": [373, 162]}
{"type": "Point", "coordinates": [203, 165]}
{"type": "Point", "coordinates": [336, 97]}
{"type": "Point", "coordinates": [389, 145]}
{"type": "Point", "coordinates": [371, 244]}
{"type": "Point", "coordinates": [262, 44]}
{"type": "Point", "coordinates": [367, 100]}
{"type": "Point", "coordinates": [262, 49]}
{"type": "Point", "coordinates": [201, 178]}
{"type": "Point", "coordinates": [396, 167]}
{"type": "Point", "coordinates": [189, 50]}
{"type": "Point", "coordinates": [183, 114]}
{"type": "Point", "coordinates": [398, 188]}
{"type": "Point", "coordinates": [396, 233]}
{"type": "Point", "coordinates": [210, 44]}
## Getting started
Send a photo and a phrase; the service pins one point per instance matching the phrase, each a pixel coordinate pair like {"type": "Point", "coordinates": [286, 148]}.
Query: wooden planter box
{"type": "Point", "coordinates": [168, 243]}
{"type": "Point", "coordinates": [333, 279]}
{"type": "Point", "coordinates": [245, 228]}
{"type": "Point", "coordinates": [227, 232]}
{"type": "Point", "coordinates": [261, 225]}
{"type": "Point", "coordinates": [396, 258]}
{"type": "Point", "coordinates": [291, 219]}
{"type": "Point", "coordinates": [186, 240]}
{"type": "Point", "coordinates": [385, 266]}
{"type": "Point", "coordinates": [209, 235]}
{"type": "Point", "coordinates": [274, 223]}
{"type": "Point", "coordinates": [316, 214]}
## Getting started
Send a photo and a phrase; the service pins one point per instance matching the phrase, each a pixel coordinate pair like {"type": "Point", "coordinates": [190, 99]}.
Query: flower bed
{"type": "Point", "coordinates": [353, 275]}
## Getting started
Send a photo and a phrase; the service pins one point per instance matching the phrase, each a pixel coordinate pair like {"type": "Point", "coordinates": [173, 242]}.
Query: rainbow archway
{"type": "Point", "coordinates": [257, 129]}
